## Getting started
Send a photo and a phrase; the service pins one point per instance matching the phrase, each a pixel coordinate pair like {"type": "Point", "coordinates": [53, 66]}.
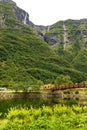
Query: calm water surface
{"type": "Point", "coordinates": [6, 104]}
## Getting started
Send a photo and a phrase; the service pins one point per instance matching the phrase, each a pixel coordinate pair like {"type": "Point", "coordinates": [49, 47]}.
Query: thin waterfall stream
{"type": "Point", "coordinates": [65, 35]}
{"type": "Point", "coordinates": [25, 19]}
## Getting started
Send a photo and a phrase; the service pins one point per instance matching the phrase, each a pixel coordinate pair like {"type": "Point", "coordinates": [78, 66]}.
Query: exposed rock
{"type": "Point", "coordinates": [84, 32]}
{"type": "Point", "coordinates": [10, 1]}
{"type": "Point", "coordinates": [83, 20]}
{"type": "Point", "coordinates": [60, 32]}
{"type": "Point", "coordinates": [51, 39]}
{"type": "Point", "coordinates": [5, 0]}
{"type": "Point", "coordinates": [20, 14]}
{"type": "Point", "coordinates": [2, 21]}
{"type": "Point", "coordinates": [77, 32]}
{"type": "Point", "coordinates": [86, 44]}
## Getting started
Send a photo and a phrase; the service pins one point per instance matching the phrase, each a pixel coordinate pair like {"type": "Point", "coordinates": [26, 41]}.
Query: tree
{"type": "Point", "coordinates": [63, 80]}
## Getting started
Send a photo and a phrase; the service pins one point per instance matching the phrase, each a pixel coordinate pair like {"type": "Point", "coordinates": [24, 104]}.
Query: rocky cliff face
{"type": "Point", "coordinates": [2, 1]}
{"type": "Point", "coordinates": [22, 16]}
{"type": "Point", "coordinates": [62, 32]}
{"type": "Point", "coordinates": [67, 32]}
{"type": "Point", "coordinates": [11, 11]}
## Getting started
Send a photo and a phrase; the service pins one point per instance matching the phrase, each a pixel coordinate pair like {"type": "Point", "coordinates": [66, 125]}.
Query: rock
{"type": "Point", "coordinates": [20, 14]}
{"type": "Point", "coordinates": [61, 32]}
{"type": "Point", "coordinates": [10, 1]}
{"type": "Point", "coordinates": [86, 44]}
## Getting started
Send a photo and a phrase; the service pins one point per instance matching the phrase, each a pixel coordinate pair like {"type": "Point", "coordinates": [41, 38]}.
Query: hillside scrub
{"type": "Point", "coordinates": [25, 59]}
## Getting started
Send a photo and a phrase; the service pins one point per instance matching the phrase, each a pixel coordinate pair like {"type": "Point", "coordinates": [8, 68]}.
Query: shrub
{"type": "Point", "coordinates": [47, 118]}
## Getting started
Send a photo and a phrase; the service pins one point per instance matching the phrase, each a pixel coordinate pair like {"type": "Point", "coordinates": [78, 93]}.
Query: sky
{"type": "Point", "coordinates": [48, 12]}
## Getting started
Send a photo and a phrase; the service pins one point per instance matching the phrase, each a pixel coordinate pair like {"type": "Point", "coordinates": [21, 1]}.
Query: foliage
{"type": "Point", "coordinates": [25, 59]}
{"type": "Point", "coordinates": [63, 80]}
{"type": "Point", "coordinates": [47, 118]}
{"type": "Point", "coordinates": [75, 51]}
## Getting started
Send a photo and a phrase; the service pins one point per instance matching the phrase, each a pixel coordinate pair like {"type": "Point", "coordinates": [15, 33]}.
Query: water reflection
{"type": "Point", "coordinates": [6, 104]}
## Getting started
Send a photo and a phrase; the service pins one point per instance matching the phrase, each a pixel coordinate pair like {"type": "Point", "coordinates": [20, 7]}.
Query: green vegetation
{"type": "Point", "coordinates": [55, 31]}
{"type": "Point", "coordinates": [46, 118]}
{"type": "Point", "coordinates": [9, 18]}
{"type": "Point", "coordinates": [27, 61]}
{"type": "Point", "coordinates": [75, 51]}
{"type": "Point", "coordinates": [63, 80]}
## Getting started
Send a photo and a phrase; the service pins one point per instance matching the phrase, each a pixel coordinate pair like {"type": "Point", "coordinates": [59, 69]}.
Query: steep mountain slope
{"type": "Point", "coordinates": [11, 15]}
{"type": "Point", "coordinates": [26, 59]}
{"type": "Point", "coordinates": [69, 40]}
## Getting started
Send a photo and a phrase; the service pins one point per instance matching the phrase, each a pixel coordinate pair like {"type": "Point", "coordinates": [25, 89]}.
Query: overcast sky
{"type": "Point", "coordinates": [47, 12]}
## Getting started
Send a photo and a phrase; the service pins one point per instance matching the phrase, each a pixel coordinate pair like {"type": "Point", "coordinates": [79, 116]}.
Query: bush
{"type": "Point", "coordinates": [47, 118]}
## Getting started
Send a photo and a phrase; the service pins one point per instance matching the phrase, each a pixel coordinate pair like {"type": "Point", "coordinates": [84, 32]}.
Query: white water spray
{"type": "Point", "coordinates": [65, 35]}
{"type": "Point", "coordinates": [25, 19]}
{"type": "Point", "coordinates": [48, 28]}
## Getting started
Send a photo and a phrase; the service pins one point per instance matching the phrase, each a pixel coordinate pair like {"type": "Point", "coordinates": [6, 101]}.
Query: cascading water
{"type": "Point", "coordinates": [25, 19]}
{"type": "Point", "coordinates": [65, 35]}
{"type": "Point", "coordinates": [48, 28]}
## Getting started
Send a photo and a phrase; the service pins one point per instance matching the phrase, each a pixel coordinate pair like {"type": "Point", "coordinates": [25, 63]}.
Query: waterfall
{"type": "Point", "coordinates": [48, 28]}
{"type": "Point", "coordinates": [25, 19]}
{"type": "Point", "coordinates": [65, 35]}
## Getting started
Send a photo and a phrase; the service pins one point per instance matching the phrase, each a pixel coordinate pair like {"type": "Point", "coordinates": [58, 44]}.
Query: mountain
{"type": "Point", "coordinates": [11, 13]}
{"type": "Point", "coordinates": [31, 55]}
{"type": "Point", "coordinates": [69, 40]}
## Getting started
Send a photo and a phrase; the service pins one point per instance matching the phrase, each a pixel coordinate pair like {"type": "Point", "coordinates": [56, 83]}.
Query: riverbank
{"type": "Point", "coordinates": [68, 93]}
{"type": "Point", "coordinates": [6, 95]}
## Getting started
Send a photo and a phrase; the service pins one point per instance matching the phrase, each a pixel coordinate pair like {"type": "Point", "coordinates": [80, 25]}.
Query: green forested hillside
{"type": "Point", "coordinates": [26, 60]}
{"type": "Point", "coordinates": [74, 48]}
